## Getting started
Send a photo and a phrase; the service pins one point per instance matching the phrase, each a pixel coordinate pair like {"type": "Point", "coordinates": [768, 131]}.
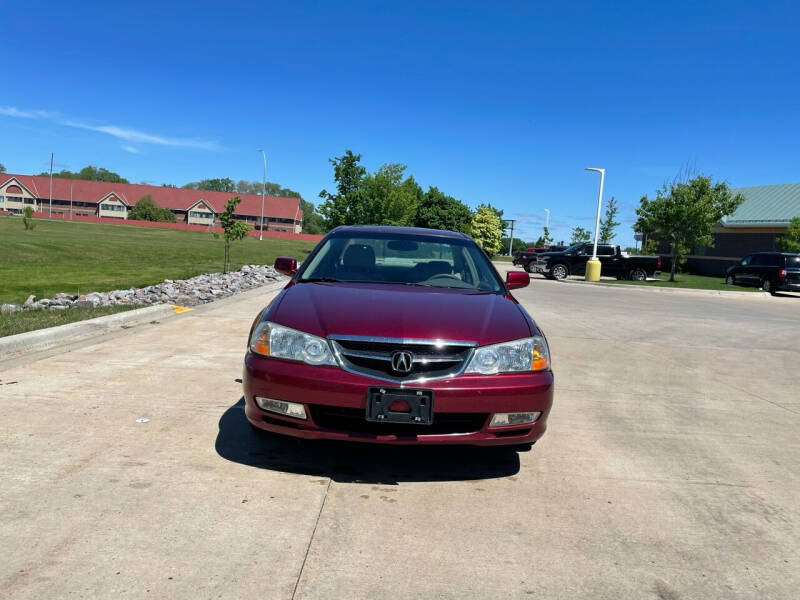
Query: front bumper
{"type": "Point", "coordinates": [326, 389]}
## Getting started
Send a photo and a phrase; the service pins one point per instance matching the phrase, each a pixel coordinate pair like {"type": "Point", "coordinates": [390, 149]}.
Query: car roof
{"type": "Point", "coordinates": [400, 230]}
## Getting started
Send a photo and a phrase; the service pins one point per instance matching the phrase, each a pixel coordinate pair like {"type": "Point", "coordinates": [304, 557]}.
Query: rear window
{"type": "Point", "coordinates": [793, 262]}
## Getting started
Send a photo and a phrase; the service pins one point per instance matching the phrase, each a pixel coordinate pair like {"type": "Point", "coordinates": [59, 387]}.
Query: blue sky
{"type": "Point", "coordinates": [490, 101]}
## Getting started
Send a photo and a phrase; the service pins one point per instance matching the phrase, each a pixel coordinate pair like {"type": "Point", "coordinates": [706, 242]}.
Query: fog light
{"type": "Point", "coordinates": [290, 409]}
{"type": "Point", "coordinates": [517, 418]}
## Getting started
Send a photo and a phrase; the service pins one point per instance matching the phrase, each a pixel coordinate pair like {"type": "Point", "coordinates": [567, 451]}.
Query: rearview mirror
{"type": "Point", "coordinates": [517, 279]}
{"type": "Point", "coordinates": [286, 265]}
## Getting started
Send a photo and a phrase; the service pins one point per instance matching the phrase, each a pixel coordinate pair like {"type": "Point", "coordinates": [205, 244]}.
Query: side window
{"type": "Point", "coordinates": [605, 251]}
{"type": "Point", "coordinates": [586, 251]}
{"type": "Point", "coordinates": [759, 260]}
{"type": "Point", "coordinates": [746, 261]}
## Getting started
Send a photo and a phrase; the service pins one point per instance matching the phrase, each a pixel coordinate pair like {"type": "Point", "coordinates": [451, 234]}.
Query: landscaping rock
{"type": "Point", "coordinates": [186, 292]}
{"type": "Point", "coordinates": [9, 308]}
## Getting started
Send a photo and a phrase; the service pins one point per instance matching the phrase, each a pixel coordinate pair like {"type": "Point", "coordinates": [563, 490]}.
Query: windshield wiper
{"type": "Point", "coordinates": [320, 279]}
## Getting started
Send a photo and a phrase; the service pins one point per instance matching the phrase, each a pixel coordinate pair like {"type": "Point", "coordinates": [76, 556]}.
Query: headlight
{"type": "Point", "coordinates": [270, 339]}
{"type": "Point", "coordinates": [528, 354]}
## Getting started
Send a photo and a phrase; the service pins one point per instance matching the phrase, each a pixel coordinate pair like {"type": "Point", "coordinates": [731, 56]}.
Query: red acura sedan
{"type": "Point", "coordinates": [402, 336]}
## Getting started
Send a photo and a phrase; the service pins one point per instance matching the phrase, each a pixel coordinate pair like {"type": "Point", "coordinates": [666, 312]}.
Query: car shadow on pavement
{"type": "Point", "coordinates": [354, 462]}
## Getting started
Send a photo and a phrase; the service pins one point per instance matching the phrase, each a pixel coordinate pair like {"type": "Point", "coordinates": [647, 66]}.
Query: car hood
{"type": "Point", "coordinates": [399, 311]}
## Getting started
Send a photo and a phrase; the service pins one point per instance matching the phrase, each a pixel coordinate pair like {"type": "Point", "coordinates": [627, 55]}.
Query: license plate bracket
{"type": "Point", "coordinates": [398, 405]}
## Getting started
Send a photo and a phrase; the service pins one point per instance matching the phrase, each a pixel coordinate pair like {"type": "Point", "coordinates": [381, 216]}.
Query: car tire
{"type": "Point", "coordinates": [559, 271]}
{"type": "Point", "coordinates": [527, 267]}
{"type": "Point", "coordinates": [638, 275]}
{"type": "Point", "coordinates": [730, 280]}
{"type": "Point", "coordinates": [523, 447]}
{"type": "Point", "coordinates": [767, 286]}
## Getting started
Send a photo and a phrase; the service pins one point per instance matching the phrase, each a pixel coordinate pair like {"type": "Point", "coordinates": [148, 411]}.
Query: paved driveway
{"type": "Point", "coordinates": [671, 469]}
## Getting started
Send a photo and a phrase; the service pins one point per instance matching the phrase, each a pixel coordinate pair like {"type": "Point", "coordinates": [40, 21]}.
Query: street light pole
{"type": "Point", "coordinates": [51, 187]}
{"type": "Point", "coordinates": [263, 193]}
{"type": "Point", "coordinates": [593, 265]}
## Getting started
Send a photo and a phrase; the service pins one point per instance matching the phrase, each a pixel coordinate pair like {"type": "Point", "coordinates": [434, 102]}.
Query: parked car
{"type": "Point", "coordinates": [528, 257]}
{"type": "Point", "coordinates": [771, 271]}
{"type": "Point", "coordinates": [398, 335]}
{"type": "Point", "coordinates": [615, 263]}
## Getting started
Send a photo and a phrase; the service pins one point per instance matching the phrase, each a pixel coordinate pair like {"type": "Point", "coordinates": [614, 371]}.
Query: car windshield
{"type": "Point", "coordinates": [573, 248]}
{"type": "Point", "coordinates": [420, 260]}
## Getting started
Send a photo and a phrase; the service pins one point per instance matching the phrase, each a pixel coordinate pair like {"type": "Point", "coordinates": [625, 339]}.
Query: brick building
{"type": "Point", "coordinates": [114, 200]}
{"type": "Point", "coordinates": [756, 226]}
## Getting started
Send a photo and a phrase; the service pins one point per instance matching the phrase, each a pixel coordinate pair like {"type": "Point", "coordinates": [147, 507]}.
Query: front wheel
{"type": "Point", "coordinates": [527, 267]}
{"type": "Point", "coordinates": [559, 271]}
{"type": "Point", "coordinates": [638, 275]}
{"type": "Point", "coordinates": [730, 280]}
{"type": "Point", "coordinates": [767, 286]}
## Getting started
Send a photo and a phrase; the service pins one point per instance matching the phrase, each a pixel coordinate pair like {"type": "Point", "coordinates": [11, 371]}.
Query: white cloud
{"type": "Point", "coordinates": [131, 149]}
{"type": "Point", "coordinates": [11, 111]}
{"type": "Point", "coordinates": [122, 133]}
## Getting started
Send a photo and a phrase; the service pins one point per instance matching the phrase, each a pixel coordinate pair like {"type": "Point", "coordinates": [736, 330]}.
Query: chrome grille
{"type": "Point", "coordinates": [431, 359]}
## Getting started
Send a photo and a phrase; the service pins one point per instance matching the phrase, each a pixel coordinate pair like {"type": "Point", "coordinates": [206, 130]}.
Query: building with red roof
{"type": "Point", "coordinates": [104, 199]}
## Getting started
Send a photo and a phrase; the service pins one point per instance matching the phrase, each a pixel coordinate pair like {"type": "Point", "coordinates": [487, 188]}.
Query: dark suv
{"type": "Point", "coordinates": [771, 271]}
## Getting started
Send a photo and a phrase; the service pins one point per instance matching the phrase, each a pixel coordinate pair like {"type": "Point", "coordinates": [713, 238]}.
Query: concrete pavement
{"type": "Point", "coordinates": [671, 469]}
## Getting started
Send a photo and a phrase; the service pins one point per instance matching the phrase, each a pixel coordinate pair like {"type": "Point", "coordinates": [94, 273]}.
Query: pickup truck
{"type": "Point", "coordinates": [615, 263]}
{"type": "Point", "coordinates": [527, 259]}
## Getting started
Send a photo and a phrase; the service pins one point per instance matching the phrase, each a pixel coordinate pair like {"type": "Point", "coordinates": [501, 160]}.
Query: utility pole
{"type": "Point", "coordinates": [263, 193]}
{"type": "Point", "coordinates": [511, 237]}
{"type": "Point", "coordinates": [51, 186]}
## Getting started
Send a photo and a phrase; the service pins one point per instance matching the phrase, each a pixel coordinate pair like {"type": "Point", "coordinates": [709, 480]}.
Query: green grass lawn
{"type": "Point", "coordinates": [28, 320]}
{"type": "Point", "coordinates": [695, 282]}
{"type": "Point", "coordinates": [77, 258]}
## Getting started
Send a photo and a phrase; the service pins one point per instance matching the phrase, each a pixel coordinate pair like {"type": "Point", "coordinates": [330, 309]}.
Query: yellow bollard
{"type": "Point", "coordinates": [593, 269]}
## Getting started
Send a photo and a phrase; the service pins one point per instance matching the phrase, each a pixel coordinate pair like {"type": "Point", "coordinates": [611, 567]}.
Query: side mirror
{"type": "Point", "coordinates": [517, 279]}
{"type": "Point", "coordinates": [286, 265]}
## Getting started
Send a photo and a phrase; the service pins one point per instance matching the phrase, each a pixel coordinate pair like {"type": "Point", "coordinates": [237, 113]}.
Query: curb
{"type": "Point", "coordinates": [14, 346]}
{"type": "Point", "coordinates": [42, 339]}
{"type": "Point", "coordinates": [666, 290]}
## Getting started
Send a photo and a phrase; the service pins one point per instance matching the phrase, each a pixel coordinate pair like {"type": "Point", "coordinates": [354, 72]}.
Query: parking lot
{"type": "Point", "coordinates": [670, 470]}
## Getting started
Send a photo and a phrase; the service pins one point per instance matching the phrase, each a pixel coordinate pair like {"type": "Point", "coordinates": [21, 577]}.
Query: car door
{"type": "Point", "coordinates": [578, 266]}
{"type": "Point", "coordinates": [742, 271]}
{"type": "Point", "coordinates": [610, 261]}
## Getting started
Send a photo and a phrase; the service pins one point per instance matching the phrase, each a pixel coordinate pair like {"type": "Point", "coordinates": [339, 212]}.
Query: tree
{"type": "Point", "coordinates": [545, 240]}
{"type": "Point", "coordinates": [312, 221]}
{"type": "Point", "coordinates": [390, 199]}
{"type": "Point", "coordinates": [684, 212]}
{"type": "Point", "coordinates": [232, 230]}
{"type": "Point", "coordinates": [147, 210]}
{"type": "Point", "coordinates": [579, 234]}
{"type": "Point", "coordinates": [437, 210]}
{"type": "Point", "coordinates": [517, 246]}
{"type": "Point", "coordinates": [348, 205]}
{"type": "Point", "coordinates": [224, 184]}
{"type": "Point", "coordinates": [487, 229]}
{"type": "Point", "coordinates": [791, 241]}
{"type": "Point", "coordinates": [27, 218]}
{"type": "Point", "coordinates": [608, 224]}
{"type": "Point", "coordinates": [88, 173]}
{"type": "Point", "coordinates": [2, 168]}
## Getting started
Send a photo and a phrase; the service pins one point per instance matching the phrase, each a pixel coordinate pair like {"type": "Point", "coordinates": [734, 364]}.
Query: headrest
{"type": "Point", "coordinates": [359, 256]}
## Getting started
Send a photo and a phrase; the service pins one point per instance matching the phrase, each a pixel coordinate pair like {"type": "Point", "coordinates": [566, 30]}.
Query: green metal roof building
{"type": "Point", "coordinates": [755, 227]}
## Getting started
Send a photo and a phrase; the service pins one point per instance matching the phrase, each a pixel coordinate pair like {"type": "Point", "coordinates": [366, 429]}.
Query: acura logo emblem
{"type": "Point", "coordinates": [402, 362]}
